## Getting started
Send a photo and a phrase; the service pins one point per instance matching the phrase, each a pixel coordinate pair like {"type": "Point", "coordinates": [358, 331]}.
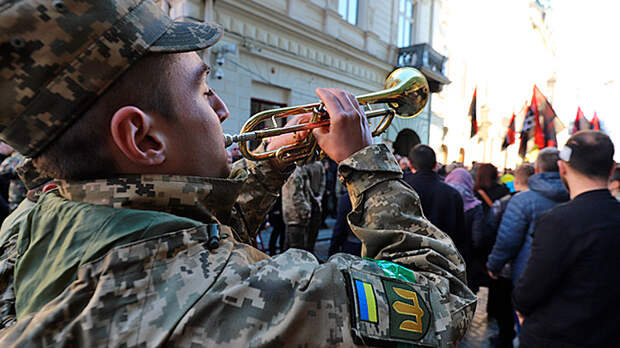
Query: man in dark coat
{"type": "Point", "coordinates": [568, 293]}
{"type": "Point", "coordinates": [441, 203]}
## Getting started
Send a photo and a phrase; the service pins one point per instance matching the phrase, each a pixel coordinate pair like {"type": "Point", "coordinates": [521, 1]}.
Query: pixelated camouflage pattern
{"type": "Point", "coordinates": [17, 189]}
{"type": "Point", "coordinates": [202, 199]}
{"type": "Point", "coordinates": [8, 257]}
{"type": "Point", "coordinates": [247, 193]}
{"type": "Point", "coordinates": [257, 195]}
{"type": "Point", "coordinates": [172, 290]}
{"type": "Point", "coordinates": [58, 57]}
{"type": "Point", "coordinates": [296, 205]}
{"type": "Point", "coordinates": [30, 175]}
{"type": "Point", "coordinates": [387, 217]}
{"type": "Point", "coordinates": [316, 173]}
{"type": "Point", "coordinates": [299, 197]}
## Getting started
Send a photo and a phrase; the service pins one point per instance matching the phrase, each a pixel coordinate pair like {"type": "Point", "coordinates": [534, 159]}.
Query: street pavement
{"type": "Point", "coordinates": [480, 330]}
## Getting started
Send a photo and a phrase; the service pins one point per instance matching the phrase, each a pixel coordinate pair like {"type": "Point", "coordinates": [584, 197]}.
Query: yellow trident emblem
{"type": "Point", "coordinates": [408, 309]}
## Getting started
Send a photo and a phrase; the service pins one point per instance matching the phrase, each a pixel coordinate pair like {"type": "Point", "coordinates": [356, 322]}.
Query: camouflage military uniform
{"type": "Point", "coordinates": [301, 205]}
{"type": "Point", "coordinates": [165, 260]}
{"type": "Point", "coordinates": [33, 181]}
{"type": "Point", "coordinates": [317, 175]}
{"type": "Point", "coordinates": [165, 283]}
{"type": "Point", "coordinates": [17, 190]}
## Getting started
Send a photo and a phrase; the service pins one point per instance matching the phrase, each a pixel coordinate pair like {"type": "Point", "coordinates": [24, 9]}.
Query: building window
{"type": "Point", "coordinates": [406, 15]}
{"type": "Point", "coordinates": [348, 10]}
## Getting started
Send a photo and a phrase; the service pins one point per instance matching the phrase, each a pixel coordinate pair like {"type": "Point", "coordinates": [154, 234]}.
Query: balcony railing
{"type": "Point", "coordinates": [424, 58]}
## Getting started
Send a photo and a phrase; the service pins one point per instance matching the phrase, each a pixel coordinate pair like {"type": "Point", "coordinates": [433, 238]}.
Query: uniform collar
{"type": "Point", "coordinates": [199, 198]}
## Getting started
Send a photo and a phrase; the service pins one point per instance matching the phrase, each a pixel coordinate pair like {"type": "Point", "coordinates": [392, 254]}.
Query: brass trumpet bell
{"type": "Point", "coordinates": [406, 94]}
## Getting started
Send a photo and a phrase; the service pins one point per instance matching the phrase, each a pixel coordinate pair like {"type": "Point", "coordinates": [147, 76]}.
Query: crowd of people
{"type": "Point", "coordinates": [493, 221]}
{"type": "Point", "coordinates": [146, 236]}
{"type": "Point", "coordinates": [135, 227]}
{"type": "Point", "coordinates": [497, 225]}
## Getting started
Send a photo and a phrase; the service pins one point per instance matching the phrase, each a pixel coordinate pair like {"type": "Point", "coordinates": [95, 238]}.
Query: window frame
{"type": "Point", "coordinates": [405, 18]}
{"type": "Point", "coordinates": [349, 11]}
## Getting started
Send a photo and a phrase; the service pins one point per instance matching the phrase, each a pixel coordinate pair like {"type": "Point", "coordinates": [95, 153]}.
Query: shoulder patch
{"type": "Point", "coordinates": [387, 311]}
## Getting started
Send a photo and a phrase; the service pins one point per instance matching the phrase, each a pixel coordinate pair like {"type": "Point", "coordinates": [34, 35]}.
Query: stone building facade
{"type": "Point", "coordinates": [277, 52]}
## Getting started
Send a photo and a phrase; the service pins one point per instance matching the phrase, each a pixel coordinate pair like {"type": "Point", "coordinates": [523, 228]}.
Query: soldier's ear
{"type": "Point", "coordinates": [134, 134]}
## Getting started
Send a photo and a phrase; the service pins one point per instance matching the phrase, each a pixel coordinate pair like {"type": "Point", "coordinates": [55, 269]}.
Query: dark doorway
{"type": "Point", "coordinates": [405, 141]}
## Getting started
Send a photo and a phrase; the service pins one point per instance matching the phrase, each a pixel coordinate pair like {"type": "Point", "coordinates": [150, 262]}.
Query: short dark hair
{"type": "Point", "coordinates": [81, 152]}
{"type": "Point", "coordinates": [547, 160]}
{"type": "Point", "coordinates": [591, 153]}
{"type": "Point", "coordinates": [422, 157]}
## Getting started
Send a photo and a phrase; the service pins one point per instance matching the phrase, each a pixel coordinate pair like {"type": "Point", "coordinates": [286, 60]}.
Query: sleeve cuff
{"type": "Point", "coordinates": [271, 178]}
{"type": "Point", "coordinates": [368, 167]}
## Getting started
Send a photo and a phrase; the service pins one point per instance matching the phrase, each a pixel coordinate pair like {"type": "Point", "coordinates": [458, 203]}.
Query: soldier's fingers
{"type": "Point", "coordinates": [332, 103]}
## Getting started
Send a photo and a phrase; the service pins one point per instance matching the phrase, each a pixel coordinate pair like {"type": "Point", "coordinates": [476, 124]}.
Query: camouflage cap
{"type": "Point", "coordinates": [57, 57]}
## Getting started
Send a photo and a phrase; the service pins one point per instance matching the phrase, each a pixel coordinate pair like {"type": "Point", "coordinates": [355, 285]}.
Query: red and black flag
{"type": "Point", "coordinates": [581, 122]}
{"type": "Point", "coordinates": [509, 139]}
{"type": "Point", "coordinates": [551, 123]}
{"type": "Point", "coordinates": [538, 135]}
{"type": "Point", "coordinates": [526, 143]}
{"type": "Point", "coordinates": [472, 114]}
{"type": "Point", "coordinates": [595, 124]}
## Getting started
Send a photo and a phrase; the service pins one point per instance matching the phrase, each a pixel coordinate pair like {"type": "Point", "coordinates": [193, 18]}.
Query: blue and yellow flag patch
{"type": "Point", "coordinates": [388, 311]}
{"type": "Point", "coordinates": [366, 302]}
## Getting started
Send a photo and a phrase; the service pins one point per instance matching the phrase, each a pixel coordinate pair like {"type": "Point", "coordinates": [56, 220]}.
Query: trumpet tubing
{"type": "Point", "coordinates": [406, 94]}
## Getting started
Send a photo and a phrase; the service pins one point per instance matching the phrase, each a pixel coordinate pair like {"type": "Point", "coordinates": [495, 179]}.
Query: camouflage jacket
{"type": "Point", "coordinates": [316, 172]}
{"type": "Point", "coordinates": [17, 190]}
{"type": "Point", "coordinates": [174, 287]}
{"type": "Point", "coordinates": [301, 192]}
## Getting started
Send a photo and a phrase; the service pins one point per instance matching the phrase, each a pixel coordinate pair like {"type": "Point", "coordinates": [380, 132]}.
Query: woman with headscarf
{"type": "Point", "coordinates": [462, 181]}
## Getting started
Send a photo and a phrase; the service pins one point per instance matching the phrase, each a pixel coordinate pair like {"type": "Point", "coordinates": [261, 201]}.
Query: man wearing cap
{"type": "Point", "coordinates": [144, 243]}
{"type": "Point", "coordinates": [568, 293]}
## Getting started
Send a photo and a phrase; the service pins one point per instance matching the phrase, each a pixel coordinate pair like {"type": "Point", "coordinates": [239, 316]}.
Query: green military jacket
{"type": "Point", "coordinates": [131, 262]}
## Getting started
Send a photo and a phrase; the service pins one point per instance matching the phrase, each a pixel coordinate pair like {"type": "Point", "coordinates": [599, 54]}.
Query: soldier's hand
{"type": "Point", "coordinates": [289, 138]}
{"type": "Point", "coordinates": [348, 131]}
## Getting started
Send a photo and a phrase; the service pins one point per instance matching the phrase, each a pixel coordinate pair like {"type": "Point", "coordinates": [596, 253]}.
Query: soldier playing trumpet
{"type": "Point", "coordinates": [146, 239]}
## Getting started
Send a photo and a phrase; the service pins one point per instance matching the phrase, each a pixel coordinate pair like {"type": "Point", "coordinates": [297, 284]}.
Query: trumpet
{"type": "Point", "coordinates": [406, 94]}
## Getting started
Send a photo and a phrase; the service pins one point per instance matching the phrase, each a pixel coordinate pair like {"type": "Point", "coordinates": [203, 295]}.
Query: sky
{"type": "Point", "coordinates": [585, 34]}
{"type": "Point", "coordinates": [492, 46]}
